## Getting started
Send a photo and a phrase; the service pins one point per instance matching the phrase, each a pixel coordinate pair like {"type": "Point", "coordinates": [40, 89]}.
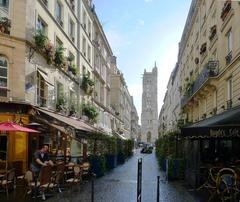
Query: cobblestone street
{"type": "Point", "coordinates": [120, 185]}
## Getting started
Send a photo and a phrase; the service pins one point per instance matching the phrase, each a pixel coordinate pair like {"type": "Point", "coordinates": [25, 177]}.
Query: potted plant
{"type": "Point", "coordinates": [59, 58]}
{"type": "Point", "coordinates": [49, 51]}
{"type": "Point", "coordinates": [87, 84]}
{"type": "Point", "coordinates": [213, 31]}
{"type": "Point", "coordinates": [90, 111]}
{"type": "Point", "coordinates": [40, 40]}
{"type": "Point", "coordinates": [5, 25]}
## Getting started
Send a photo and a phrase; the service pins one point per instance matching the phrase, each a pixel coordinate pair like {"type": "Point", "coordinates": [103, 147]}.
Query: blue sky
{"type": "Point", "coordinates": [141, 32]}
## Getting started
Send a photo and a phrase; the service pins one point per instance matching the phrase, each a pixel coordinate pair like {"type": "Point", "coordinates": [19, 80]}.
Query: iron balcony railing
{"type": "Point", "coordinates": [210, 70]}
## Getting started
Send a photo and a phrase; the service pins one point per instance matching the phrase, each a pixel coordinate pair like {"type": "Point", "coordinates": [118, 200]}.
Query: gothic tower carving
{"type": "Point", "coordinates": [149, 116]}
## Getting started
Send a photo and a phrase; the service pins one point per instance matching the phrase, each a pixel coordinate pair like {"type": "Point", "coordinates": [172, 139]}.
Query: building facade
{"type": "Point", "coordinates": [208, 65]}
{"type": "Point", "coordinates": [56, 65]}
{"type": "Point", "coordinates": [149, 116]}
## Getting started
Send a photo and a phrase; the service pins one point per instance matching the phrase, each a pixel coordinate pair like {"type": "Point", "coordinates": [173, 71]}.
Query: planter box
{"type": "Point", "coordinates": [111, 161]}
{"type": "Point", "coordinates": [98, 165]}
{"type": "Point", "coordinates": [175, 169]}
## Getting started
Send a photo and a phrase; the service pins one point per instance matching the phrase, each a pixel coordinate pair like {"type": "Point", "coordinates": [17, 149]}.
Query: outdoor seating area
{"type": "Point", "coordinates": [50, 181]}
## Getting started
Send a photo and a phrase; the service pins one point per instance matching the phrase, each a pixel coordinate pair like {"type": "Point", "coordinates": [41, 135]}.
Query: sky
{"type": "Point", "coordinates": [141, 32]}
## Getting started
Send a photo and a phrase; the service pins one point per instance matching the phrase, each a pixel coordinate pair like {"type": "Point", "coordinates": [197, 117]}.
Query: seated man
{"type": "Point", "coordinates": [41, 158]}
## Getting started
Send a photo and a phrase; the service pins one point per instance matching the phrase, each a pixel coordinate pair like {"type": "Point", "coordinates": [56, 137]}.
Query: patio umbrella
{"type": "Point", "coordinates": [9, 126]}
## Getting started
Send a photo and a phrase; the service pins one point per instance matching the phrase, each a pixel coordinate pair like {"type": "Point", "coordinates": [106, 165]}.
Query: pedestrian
{"type": "Point", "coordinates": [40, 159]}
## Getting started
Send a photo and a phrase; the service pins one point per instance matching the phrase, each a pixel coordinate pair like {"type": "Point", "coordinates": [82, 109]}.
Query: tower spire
{"type": "Point", "coordinates": [155, 64]}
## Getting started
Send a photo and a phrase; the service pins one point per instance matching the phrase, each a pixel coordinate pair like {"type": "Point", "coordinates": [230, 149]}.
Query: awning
{"type": "Point", "coordinates": [120, 136]}
{"type": "Point", "coordinates": [76, 124]}
{"type": "Point", "coordinates": [45, 77]}
{"type": "Point", "coordinates": [224, 125]}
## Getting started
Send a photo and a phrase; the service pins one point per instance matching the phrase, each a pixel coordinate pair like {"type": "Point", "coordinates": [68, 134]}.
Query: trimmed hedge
{"type": "Point", "coordinates": [98, 165]}
{"type": "Point", "coordinates": [166, 151]}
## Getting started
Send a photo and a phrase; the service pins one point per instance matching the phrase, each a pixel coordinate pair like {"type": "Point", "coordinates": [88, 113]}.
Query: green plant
{"type": "Point", "coordinates": [49, 52]}
{"type": "Point", "coordinates": [90, 111]}
{"type": "Point", "coordinates": [189, 89]}
{"type": "Point", "coordinates": [73, 69]}
{"type": "Point", "coordinates": [87, 84]}
{"type": "Point", "coordinates": [5, 25]}
{"type": "Point", "coordinates": [40, 40]}
{"type": "Point", "coordinates": [60, 103]}
{"type": "Point", "coordinates": [59, 56]}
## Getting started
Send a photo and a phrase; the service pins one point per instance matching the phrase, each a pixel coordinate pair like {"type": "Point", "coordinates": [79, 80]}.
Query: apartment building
{"type": "Point", "coordinates": [208, 63]}
{"type": "Point", "coordinates": [49, 75]}
{"type": "Point", "coordinates": [170, 113]}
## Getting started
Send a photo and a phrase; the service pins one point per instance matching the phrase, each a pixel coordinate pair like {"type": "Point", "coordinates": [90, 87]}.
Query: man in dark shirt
{"type": "Point", "coordinates": [41, 158]}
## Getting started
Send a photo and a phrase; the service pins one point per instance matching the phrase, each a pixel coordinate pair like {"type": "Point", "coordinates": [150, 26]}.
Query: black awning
{"type": "Point", "coordinates": [224, 125]}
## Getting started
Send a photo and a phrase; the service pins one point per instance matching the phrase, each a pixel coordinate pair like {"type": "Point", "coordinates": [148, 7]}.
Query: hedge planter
{"type": "Point", "coordinates": [175, 169]}
{"type": "Point", "coordinates": [98, 165]}
{"type": "Point", "coordinates": [121, 158]}
{"type": "Point", "coordinates": [111, 161]}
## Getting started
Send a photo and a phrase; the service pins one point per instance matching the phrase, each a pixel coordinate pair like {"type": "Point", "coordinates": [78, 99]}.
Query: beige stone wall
{"type": "Point", "coordinates": [202, 101]}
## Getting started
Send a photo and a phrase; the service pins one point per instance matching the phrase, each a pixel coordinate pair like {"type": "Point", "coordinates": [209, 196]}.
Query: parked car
{"type": "Point", "coordinates": [147, 150]}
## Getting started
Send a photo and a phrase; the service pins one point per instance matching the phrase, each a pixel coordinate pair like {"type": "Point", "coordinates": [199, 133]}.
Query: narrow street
{"type": "Point", "coordinates": [120, 185]}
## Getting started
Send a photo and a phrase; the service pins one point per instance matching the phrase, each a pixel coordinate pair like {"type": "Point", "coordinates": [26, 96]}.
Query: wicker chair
{"type": "Point", "coordinates": [227, 184]}
{"type": "Point", "coordinates": [210, 183]}
{"type": "Point", "coordinates": [7, 181]}
{"type": "Point", "coordinates": [77, 176]}
{"type": "Point", "coordinates": [86, 170]}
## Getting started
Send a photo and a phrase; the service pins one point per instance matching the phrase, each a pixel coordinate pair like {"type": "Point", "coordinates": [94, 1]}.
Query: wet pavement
{"type": "Point", "coordinates": [120, 185]}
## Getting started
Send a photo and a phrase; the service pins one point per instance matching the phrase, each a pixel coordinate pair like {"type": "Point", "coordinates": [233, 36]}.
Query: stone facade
{"type": "Point", "coordinates": [149, 116]}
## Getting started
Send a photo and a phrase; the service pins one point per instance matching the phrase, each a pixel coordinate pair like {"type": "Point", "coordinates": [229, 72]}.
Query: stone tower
{"type": "Point", "coordinates": [149, 116]}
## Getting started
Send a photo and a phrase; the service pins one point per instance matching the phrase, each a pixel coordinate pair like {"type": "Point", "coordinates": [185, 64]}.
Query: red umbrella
{"type": "Point", "coordinates": [11, 126]}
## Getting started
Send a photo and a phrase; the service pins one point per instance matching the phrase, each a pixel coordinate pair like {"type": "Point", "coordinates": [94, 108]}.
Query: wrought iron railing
{"type": "Point", "coordinates": [210, 70]}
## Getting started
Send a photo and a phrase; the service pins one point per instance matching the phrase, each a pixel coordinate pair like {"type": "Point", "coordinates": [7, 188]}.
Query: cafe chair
{"type": "Point", "coordinates": [227, 184]}
{"type": "Point", "coordinates": [46, 180]}
{"type": "Point", "coordinates": [86, 170]}
{"type": "Point", "coordinates": [7, 181]}
{"type": "Point", "coordinates": [210, 183]}
{"type": "Point", "coordinates": [59, 176]}
{"type": "Point", "coordinates": [77, 176]}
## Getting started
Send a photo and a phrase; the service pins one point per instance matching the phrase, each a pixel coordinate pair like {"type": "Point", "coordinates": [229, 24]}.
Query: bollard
{"type": "Point", "coordinates": [92, 194]}
{"type": "Point", "coordinates": [139, 181]}
{"type": "Point", "coordinates": [158, 189]}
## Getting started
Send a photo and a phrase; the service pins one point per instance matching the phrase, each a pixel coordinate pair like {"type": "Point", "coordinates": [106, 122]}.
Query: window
{"type": "Point", "coordinates": [3, 76]}
{"type": "Point", "coordinates": [229, 88]}
{"type": "Point", "coordinates": [84, 43]}
{"type": "Point", "coordinates": [4, 8]}
{"type": "Point", "coordinates": [84, 19]}
{"type": "Point", "coordinates": [72, 4]}
{"type": "Point", "coordinates": [89, 54]}
{"type": "Point", "coordinates": [59, 43]}
{"type": "Point", "coordinates": [60, 91]}
{"type": "Point", "coordinates": [59, 13]}
{"type": "Point", "coordinates": [41, 25]}
{"type": "Point", "coordinates": [229, 101]}
{"type": "Point", "coordinates": [41, 90]}
{"type": "Point", "coordinates": [45, 2]}
{"type": "Point", "coordinates": [71, 30]}
{"type": "Point", "coordinates": [89, 28]}
{"type": "Point", "coordinates": [229, 41]}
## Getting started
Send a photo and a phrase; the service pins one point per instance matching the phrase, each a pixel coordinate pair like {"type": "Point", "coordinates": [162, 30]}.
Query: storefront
{"type": "Point", "coordinates": [17, 141]}
{"type": "Point", "coordinates": [63, 133]}
{"type": "Point", "coordinates": [212, 142]}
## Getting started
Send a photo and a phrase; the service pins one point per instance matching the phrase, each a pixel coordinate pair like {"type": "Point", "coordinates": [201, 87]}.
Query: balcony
{"type": "Point", "coordinates": [45, 2]}
{"type": "Point", "coordinates": [228, 58]}
{"type": "Point", "coordinates": [226, 9]}
{"type": "Point", "coordinates": [210, 70]}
